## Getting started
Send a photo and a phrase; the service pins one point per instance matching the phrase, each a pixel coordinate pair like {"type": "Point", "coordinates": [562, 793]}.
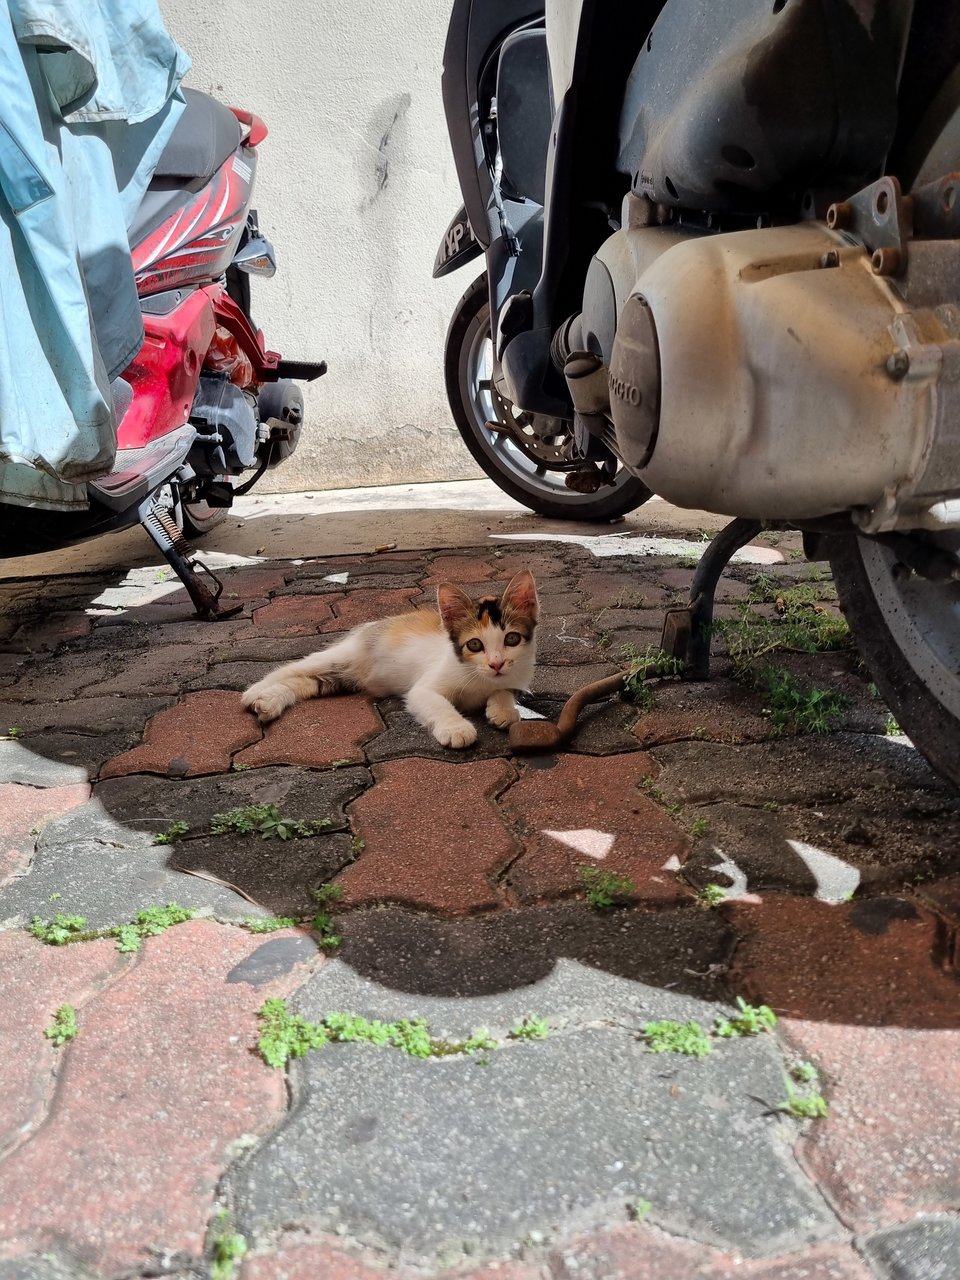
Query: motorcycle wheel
{"type": "Point", "coordinates": [908, 631]}
{"type": "Point", "coordinates": [522, 472]}
{"type": "Point", "coordinates": [199, 518]}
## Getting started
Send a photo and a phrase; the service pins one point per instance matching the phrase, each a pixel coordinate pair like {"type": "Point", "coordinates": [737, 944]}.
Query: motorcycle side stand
{"type": "Point", "coordinates": [176, 550]}
{"type": "Point", "coordinates": [687, 630]}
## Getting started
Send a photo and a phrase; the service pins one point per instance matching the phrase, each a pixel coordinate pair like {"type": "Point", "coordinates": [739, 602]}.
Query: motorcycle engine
{"type": "Point", "coordinates": [227, 424]}
{"type": "Point", "coordinates": [788, 372]}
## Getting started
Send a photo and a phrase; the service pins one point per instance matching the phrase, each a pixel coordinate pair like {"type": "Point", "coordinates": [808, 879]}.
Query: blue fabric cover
{"type": "Point", "coordinates": [88, 98]}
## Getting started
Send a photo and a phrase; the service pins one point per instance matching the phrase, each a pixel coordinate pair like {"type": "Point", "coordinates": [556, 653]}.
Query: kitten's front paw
{"type": "Point", "coordinates": [456, 733]}
{"type": "Point", "coordinates": [502, 717]}
{"type": "Point", "coordinates": [267, 702]}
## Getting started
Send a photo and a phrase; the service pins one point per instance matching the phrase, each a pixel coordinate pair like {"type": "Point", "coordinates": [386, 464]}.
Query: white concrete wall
{"type": "Point", "coordinates": [355, 187]}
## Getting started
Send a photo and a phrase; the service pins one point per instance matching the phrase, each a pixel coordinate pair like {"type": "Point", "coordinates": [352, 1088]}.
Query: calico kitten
{"type": "Point", "coordinates": [462, 657]}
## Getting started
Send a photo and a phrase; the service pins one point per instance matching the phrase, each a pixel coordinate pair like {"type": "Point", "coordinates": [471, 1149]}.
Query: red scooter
{"type": "Point", "coordinates": [204, 402]}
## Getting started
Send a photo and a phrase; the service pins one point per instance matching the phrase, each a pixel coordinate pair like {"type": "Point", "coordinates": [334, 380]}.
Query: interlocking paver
{"type": "Point", "coordinates": [369, 606]}
{"type": "Point", "coordinates": [719, 710]}
{"type": "Point", "coordinates": [860, 991]}
{"type": "Point", "coordinates": [294, 615]}
{"type": "Point", "coordinates": [928, 1248]}
{"type": "Point", "coordinates": [199, 735]}
{"type": "Point", "coordinates": [430, 1156]}
{"type": "Point", "coordinates": [315, 733]}
{"type": "Point", "coordinates": [431, 835]}
{"type": "Point", "coordinates": [587, 811]}
{"type": "Point", "coordinates": [46, 978]}
{"type": "Point", "coordinates": [156, 1087]}
{"type": "Point", "coordinates": [24, 811]}
{"type": "Point", "coordinates": [644, 1253]}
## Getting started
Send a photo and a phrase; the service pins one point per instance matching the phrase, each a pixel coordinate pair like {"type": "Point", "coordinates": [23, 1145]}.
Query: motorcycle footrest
{"type": "Point", "coordinates": [137, 472]}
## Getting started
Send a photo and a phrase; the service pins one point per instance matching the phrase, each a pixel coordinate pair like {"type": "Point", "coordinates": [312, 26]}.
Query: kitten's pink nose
{"type": "Point", "coordinates": [495, 664]}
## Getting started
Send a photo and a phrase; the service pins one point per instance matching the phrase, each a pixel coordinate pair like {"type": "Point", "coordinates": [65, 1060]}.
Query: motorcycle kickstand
{"type": "Point", "coordinates": [176, 550]}
{"type": "Point", "coordinates": [687, 631]}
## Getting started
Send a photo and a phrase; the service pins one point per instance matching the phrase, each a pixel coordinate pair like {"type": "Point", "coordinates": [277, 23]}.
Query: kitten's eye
{"type": "Point", "coordinates": [512, 638]}
{"type": "Point", "coordinates": [475, 645]}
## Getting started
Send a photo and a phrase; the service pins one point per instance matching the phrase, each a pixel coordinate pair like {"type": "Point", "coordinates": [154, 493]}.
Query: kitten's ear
{"type": "Point", "coordinates": [456, 607]}
{"type": "Point", "coordinates": [521, 596]}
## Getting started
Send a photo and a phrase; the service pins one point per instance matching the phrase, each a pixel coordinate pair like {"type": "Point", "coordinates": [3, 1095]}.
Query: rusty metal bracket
{"type": "Point", "coordinates": [687, 631]}
{"type": "Point", "coordinates": [176, 550]}
{"type": "Point", "coordinates": [881, 217]}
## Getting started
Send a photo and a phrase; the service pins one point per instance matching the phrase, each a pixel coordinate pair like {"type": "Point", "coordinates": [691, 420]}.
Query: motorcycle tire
{"type": "Point", "coordinates": [200, 519]}
{"type": "Point", "coordinates": [474, 402]}
{"type": "Point", "coordinates": [908, 632]}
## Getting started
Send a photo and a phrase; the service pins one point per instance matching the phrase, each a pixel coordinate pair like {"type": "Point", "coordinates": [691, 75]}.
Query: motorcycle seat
{"type": "Point", "coordinates": [205, 135]}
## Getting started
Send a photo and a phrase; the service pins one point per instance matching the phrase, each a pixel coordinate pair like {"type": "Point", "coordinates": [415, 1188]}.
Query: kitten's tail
{"type": "Point", "coordinates": [315, 676]}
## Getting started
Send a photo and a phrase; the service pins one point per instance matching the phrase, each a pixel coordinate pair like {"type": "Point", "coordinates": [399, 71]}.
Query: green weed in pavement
{"type": "Point", "coordinates": [264, 820]}
{"type": "Point", "coordinates": [284, 1035]}
{"type": "Point", "coordinates": [531, 1029]}
{"type": "Point", "coordinates": [64, 1025]}
{"type": "Point", "coordinates": [750, 1021]}
{"type": "Point", "coordinates": [227, 1247]}
{"type": "Point", "coordinates": [668, 1036]}
{"type": "Point", "coordinates": [604, 888]}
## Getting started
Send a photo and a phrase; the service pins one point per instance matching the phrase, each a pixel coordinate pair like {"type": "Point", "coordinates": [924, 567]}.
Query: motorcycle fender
{"type": "Point", "coordinates": [458, 246]}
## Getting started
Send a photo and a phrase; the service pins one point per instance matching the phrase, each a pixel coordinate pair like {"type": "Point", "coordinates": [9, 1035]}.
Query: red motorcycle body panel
{"type": "Point", "coordinates": [164, 375]}
{"type": "Point", "coordinates": [197, 243]}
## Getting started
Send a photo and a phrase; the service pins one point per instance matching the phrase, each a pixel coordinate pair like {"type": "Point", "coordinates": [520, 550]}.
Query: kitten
{"type": "Point", "coordinates": [465, 656]}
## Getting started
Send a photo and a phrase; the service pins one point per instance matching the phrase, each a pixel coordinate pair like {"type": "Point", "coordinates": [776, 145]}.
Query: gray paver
{"type": "Point", "coordinates": [19, 764]}
{"type": "Point", "coordinates": [408, 952]}
{"type": "Point", "coordinates": [434, 1157]}
{"type": "Point", "coordinates": [151, 803]}
{"type": "Point", "coordinates": [927, 1248]}
{"type": "Point", "coordinates": [816, 769]}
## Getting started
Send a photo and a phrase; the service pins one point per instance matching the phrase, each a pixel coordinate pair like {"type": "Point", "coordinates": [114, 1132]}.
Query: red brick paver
{"type": "Point", "coordinates": [197, 736]}
{"type": "Point", "coordinates": [315, 733]}
{"type": "Point", "coordinates": [720, 711]}
{"type": "Point", "coordinates": [589, 811]}
{"type": "Point", "coordinates": [157, 1085]}
{"type": "Point", "coordinates": [432, 836]}
{"type": "Point", "coordinates": [461, 569]}
{"type": "Point", "coordinates": [644, 1253]}
{"type": "Point", "coordinates": [311, 1260]}
{"type": "Point", "coordinates": [40, 979]}
{"type": "Point", "coordinates": [24, 810]}
{"type": "Point", "coordinates": [295, 615]}
{"type": "Point", "coordinates": [865, 997]}
{"type": "Point", "coordinates": [369, 606]}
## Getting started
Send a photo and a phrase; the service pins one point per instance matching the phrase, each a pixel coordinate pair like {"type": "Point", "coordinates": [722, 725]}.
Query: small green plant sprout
{"type": "Point", "coordinates": [327, 937]}
{"type": "Point", "coordinates": [770, 806]}
{"type": "Point", "coordinates": [699, 828]}
{"type": "Point", "coordinates": [531, 1029]}
{"type": "Point", "coordinates": [711, 895]}
{"type": "Point", "coordinates": [264, 820]}
{"type": "Point", "coordinates": [749, 1021]}
{"type": "Point", "coordinates": [604, 888]}
{"type": "Point", "coordinates": [268, 924]}
{"type": "Point", "coordinates": [891, 728]}
{"type": "Point", "coordinates": [173, 832]}
{"type": "Point", "coordinates": [804, 1072]}
{"type": "Point", "coordinates": [651, 664]}
{"type": "Point", "coordinates": [149, 923]}
{"type": "Point", "coordinates": [325, 895]}
{"type": "Point", "coordinates": [804, 1106]}
{"type": "Point", "coordinates": [639, 1210]}
{"type": "Point", "coordinates": [792, 707]}
{"type": "Point", "coordinates": [357, 846]}
{"type": "Point", "coordinates": [61, 929]}
{"type": "Point", "coordinates": [64, 1025]}
{"type": "Point", "coordinates": [677, 1037]}
{"type": "Point", "coordinates": [284, 1035]}
{"type": "Point", "coordinates": [227, 1248]}
{"type": "Point", "coordinates": [14, 732]}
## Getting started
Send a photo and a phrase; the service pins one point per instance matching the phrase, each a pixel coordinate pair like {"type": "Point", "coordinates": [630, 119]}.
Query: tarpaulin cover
{"type": "Point", "coordinates": [88, 99]}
